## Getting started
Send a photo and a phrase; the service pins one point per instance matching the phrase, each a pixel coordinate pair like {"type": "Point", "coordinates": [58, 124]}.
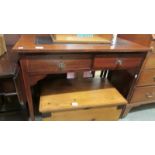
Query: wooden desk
{"type": "Point", "coordinates": [123, 59]}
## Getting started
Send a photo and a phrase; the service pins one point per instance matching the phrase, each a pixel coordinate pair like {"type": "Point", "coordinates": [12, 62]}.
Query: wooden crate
{"type": "Point", "coordinates": [73, 38]}
{"type": "Point", "coordinates": [88, 99]}
{"type": "Point", "coordinates": [2, 45]}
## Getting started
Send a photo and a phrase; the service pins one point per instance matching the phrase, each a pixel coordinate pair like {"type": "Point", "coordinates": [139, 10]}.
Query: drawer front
{"type": "Point", "coordinates": [98, 114]}
{"type": "Point", "coordinates": [143, 94]}
{"type": "Point", "coordinates": [113, 62]}
{"type": "Point", "coordinates": [150, 63]}
{"type": "Point", "coordinates": [59, 63]}
{"type": "Point", "coordinates": [147, 77]}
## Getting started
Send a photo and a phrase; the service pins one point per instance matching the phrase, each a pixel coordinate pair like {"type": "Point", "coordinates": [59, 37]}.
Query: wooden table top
{"type": "Point", "coordinates": [26, 44]}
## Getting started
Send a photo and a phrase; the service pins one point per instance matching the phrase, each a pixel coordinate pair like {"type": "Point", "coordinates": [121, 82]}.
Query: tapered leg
{"type": "Point", "coordinates": [28, 93]}
{"type": "Point", "coordinates": [126, 111]}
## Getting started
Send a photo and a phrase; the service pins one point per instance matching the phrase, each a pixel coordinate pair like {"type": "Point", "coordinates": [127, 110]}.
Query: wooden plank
{"type": "Point", "coordinates": [142, 39]}
{"type": "Point", "coordinates": [147, 78]}
{"type": "Point", "coordinates": [143, 94]}
{"type": "Point", "coordinates": [61, 94]}
{"type": "Point", "coordinates": [93, 114]}
{"type": "Point", "coordinates": [150, 62]}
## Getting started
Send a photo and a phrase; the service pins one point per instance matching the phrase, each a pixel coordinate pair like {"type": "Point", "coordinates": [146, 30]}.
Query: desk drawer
{"type": "Point", "coordinates": [115, 61]}
{"type": "Point", "coordinates": [150, 63]}
{"type": "Point", "coordinates": [59, 63]}
{"type": "Point", "coordinates": [98, 114]}
{"type": "Point", "coordinates": [147, 77]}
{"type": "Point", "coordinates": [144, 94]}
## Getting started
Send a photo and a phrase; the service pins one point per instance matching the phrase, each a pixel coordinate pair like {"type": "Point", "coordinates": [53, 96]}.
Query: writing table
{"type": "Point", "coordinates": [123, 60]}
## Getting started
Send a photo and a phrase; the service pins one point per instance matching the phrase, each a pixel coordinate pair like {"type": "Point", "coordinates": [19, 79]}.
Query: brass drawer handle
{"type": "Point", "coordinates": [154, 78]}
{"type": "Point", "coordinates": [61, 65]}
{"type": "Point", "coordinates": [149, 95]}
{"type": "Point", "coordinates": [119, 62]}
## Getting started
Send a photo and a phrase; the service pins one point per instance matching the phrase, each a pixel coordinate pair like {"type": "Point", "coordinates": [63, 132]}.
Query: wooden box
{"type": "Point", "coordinates": [74, 38]}
{"type": "Point", "coordinates": [78, 100]}
{"type": "Point", "coordinates": [2, 45]}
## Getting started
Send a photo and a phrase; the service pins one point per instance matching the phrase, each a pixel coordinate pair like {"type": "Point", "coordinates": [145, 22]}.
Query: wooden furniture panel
{"type": "Point", "coordinates": [58, 63]}
{"type": "Point", "coordinates": [102, 62]}
{"type": "Point", "coordinates": [144, 91]}
{"type": "Point", "coordinates": [150, 63]}
{"type": "Point", "coordinates": [90, 95]}
{"type": "Point", "coordinates": [115, 61]}
{"type": "Point", "coordinates": [92, 114]}
{"type": "Point", "coordinates": [59, 94]}
{"type": "Point", "coordinates": [29, 46]}
{"type": "Point", "coordinates": [143, 39]}
{"type": "Point", "coordinates": [147, 77]}
{"type": "Point", "coordinates": [144, 94]}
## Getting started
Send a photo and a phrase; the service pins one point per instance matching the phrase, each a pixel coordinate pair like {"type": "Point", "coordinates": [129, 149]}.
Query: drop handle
{"type": "Point", "coordinates": [119, 62]}
{"type": "Point", "coordinates": [149, 95]}
{"type": "Point", "coordinates": [61, 65]}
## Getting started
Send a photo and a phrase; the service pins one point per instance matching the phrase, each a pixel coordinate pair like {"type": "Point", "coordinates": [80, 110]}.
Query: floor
{"type": "Point", "coordinates": [142, 113]}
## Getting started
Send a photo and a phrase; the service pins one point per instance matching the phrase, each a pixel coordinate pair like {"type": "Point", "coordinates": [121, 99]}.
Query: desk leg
{"type": "Point", "coordinates": [28, 93]}
{"type": "Point", "coordinates": [126, 111]}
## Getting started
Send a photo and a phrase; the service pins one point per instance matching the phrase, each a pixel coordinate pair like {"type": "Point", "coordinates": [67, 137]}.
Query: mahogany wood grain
{"type": "Point", "coordinates": [117, 61]}
{"type": "Point", "coordinates": [147, 77]}
{"type": "Point", "coordinates": [27, 42]}
{"type": "Point", "coordinates": [27, 88]}
{"type": "Point", "coordinates": [36, 78]}
{"type": "Point", "coordinates": [143, 94]}
{"type": "Point", "coordinates": [58, 63]}
{"type": "Point", "coordinates": [142, 39]}
{"type": "Point", "coordinates": [150, 62]}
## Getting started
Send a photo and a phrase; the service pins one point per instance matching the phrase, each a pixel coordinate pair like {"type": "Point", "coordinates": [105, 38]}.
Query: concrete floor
{"type": "Point", "coordinates": [142, 113]}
